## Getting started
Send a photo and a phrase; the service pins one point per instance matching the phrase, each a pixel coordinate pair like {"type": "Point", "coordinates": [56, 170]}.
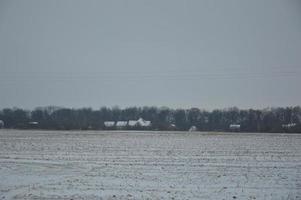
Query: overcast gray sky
{"type": "Point", "coordinates": [176, 53]}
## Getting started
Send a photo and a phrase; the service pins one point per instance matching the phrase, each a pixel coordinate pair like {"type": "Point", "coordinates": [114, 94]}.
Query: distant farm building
{"type": "Point", "coordinates": [172, 127]}
{"type": "Point", "coordinates": [289, 126]}
{"type": "Point", "coordinates": [128, 124]}
{"type": "Point", "coordinates": [133, 123]}
{"type": "Point", "coordinates": [33, 124]}
{"type": "Point", "coordinates": [1, 124]}
{"type": "Point", "coordinates": [109, 124]}
{"type": "Point", "coordinates": [234, 127]}
{"type": "Point", "coordinates": [121, 124]}
{"type": "Point", "coordinates": [192, 129]}
{"type": "Point", "coordinates": [144, 123]}
{"type": "Point", "coordinates": [139, 123]}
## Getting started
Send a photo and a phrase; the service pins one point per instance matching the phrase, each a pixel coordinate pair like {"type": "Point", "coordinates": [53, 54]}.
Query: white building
{"type": "Point", "coordinates": [1, 124]}
{"type": "Point", "coordinates": [140, 122]}
{"type": "Point", "coordinates": [109, 124]}
{"type": "Point", "coordinates": [172, 127]}
{"type": "Point", "coordinates": [144, 123]}
{"type": "Point", "coordinates": [33, 123]}
{"type": "Point", "coordinates": [133, 123]}
{"type": "Point", "coordinates": [192, 129]}
{"type": "Point", "coordinates": [234, 127]}
{"type": "Point", "coordinates": [290, 125]}
{"type": "Point", "coordinates": [121, 124]}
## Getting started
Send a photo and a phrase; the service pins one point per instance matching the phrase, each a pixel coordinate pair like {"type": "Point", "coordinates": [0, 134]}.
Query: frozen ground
{"type": "Point", "coordinates": [149, 165]}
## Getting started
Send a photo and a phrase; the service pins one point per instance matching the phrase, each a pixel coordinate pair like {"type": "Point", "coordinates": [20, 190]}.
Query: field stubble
{"type": "Point", "coordinates": [149, 165]}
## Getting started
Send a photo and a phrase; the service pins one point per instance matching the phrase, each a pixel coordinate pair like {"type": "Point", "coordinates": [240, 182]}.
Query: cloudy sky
{"type": "Point", "coordinates": [176, 53]}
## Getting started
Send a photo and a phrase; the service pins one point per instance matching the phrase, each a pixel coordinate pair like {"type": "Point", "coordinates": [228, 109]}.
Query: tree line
{"type": "Point", "coordinates": [250, 120]}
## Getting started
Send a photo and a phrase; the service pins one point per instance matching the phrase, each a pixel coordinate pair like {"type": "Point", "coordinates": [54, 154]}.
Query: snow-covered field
{"type": "Point", "coordinates": [149, 165]}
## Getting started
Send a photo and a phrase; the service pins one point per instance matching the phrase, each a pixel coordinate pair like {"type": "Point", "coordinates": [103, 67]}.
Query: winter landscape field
{"type": "Point", "coordinates": [149, 165]}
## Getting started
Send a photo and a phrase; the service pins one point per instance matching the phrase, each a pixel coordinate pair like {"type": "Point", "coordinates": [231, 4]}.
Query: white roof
{"type": "Point", "coordinates": [139, 122]}
{"type": "Point", "coordinates": [33, 123]}
{"type": "Point", "coordinates": [288, 125]}
{"type": "Point", "coordinates": [143, 122]}
{"type": "Point", "coordinates": [193, 128]}
{"type": "Point", "coordinates": [234, 126]}
{"type": "Point", "coordinates": [146, 123]}
{"type": "Point", "coordinates": [133, 123]}
{"type": "Point", "coordinates": [109, 123]}
{"type": "Point", "coordinates": [121, 123]}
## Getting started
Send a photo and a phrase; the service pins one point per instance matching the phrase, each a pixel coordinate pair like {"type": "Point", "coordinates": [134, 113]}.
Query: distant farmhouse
{"type": "Point", "coordinates": [121, 124]}
{"type": "Point", "coordinates": [131, 124]}
{"type": "Point", "coordinates": [1, 124]}
{"type": "Point", "coordinates": [289, 126]}
{"type": "Point", "coordinates": [33, 124]}
{"type": "Point", "coordinates": [234, 127]}
{"type": "Point", "coordinates": [109, 124]}
{"type": "Point", "coordinates": [192, 129]}
{"type": "Point", "coordinates": [143, 123]}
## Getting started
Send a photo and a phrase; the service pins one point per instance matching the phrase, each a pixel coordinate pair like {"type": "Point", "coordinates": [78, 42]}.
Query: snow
{"type": "Point", "coordinates": [149, 165]}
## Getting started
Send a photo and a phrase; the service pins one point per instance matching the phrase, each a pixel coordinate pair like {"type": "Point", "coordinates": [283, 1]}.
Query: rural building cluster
{"type": "Point", "coordinates": [140, 123]}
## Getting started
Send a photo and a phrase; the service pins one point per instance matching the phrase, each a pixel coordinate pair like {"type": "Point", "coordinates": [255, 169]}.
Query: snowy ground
{"type": "Point", "coordinates": [149, 165]}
